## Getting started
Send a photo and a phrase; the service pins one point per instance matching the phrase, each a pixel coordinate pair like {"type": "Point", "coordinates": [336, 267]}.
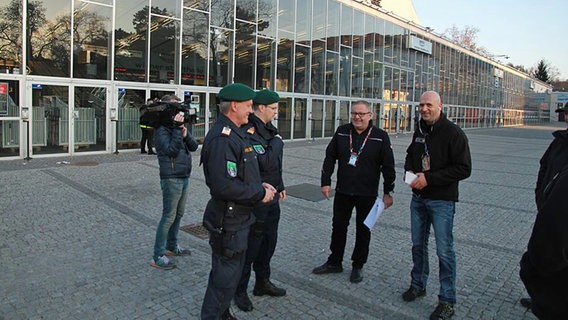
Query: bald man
{"type": "Point", "coordinates": [439, 157]}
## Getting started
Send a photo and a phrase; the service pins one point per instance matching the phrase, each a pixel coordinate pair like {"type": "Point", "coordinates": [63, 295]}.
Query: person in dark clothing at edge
{"type": "Point", "coordinates": [439, 156]}
{"type": "Point", "coordinates": [552, 163]}
{"type": "Point", "coordinates": [147, 131]}
{"type": "Point", "coordinates": [362, 152]}
{"type": "Point", "coordinates": [232, 174]}
{"type": "Point", "coordinates": [173, 144]}
{"type": "Point", "coordinates": [268, 145]}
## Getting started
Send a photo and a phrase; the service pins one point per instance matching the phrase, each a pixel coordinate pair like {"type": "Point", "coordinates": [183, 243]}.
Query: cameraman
{"type": "Point", "coordinates": [173, 145]}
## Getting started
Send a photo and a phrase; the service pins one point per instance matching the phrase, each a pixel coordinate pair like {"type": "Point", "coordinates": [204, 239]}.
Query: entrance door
{"type": "Point", "coordinates": [89, 115]}
{"type": "Point", "coordinates": [389, 117]}
{"type": "Point", "coordinates": [317, 118]}
{"type": "Point", "coordinates": [10, 119]}
{"type": "Point", "coordinates": [49, 118]}
{"type": "Point", "coordinates": [329, 121]}
{"type": "Point", "coordinates": [128, 132]}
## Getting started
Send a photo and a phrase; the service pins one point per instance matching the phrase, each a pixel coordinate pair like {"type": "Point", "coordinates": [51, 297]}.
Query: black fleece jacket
{"type": "Point", "coordinates": [376, 158]}
{"type": "Point", "coordinates": [450, 159]}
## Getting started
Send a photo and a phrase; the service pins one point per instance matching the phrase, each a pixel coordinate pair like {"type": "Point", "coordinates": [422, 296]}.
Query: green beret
{"type": "Point", "coordinates": [266, 97]}
{"type": "Point", "coordinates": [236, 92]}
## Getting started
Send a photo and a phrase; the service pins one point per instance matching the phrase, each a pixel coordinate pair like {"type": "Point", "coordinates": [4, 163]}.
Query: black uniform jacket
{"type": "Point", "coordinates": [450, 159]}
{"type": "Point", "coordinates": [376, 158]}
{"type": "Point", "coordinates": [552, 161]}
{"type": "Point", "coordinates": [269, 149]}
{"type": "Point", "coordinates": [232, 175]}
{"type": "Point", "coordinates": [544, 267]}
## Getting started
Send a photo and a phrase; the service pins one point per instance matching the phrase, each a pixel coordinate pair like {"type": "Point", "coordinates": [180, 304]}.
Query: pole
{"type": "Point", "coordinates": [28, 141]}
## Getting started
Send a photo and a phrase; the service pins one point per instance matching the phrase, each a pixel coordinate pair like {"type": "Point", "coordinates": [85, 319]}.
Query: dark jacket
{"type": "Point", "coordinates": [544, 267]}
{"type": "Point", "coordinates": [450, 159]}
{"type": "Point", "coordinates": [232, 175]}
{"type": "Point", "coordinates": [376, 158]}
{"type": "Point", "coordinates": [173, 151]}
{"type": "Point", "coordinates": [269, 148]}
{"type": "Point", "coordinates": [552, 161]}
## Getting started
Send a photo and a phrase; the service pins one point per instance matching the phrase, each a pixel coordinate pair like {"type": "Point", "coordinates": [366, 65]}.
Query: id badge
{"type": "Point", "coordinates": [353, 160]}
{"type": "Point", "coordinates": [426, 162]}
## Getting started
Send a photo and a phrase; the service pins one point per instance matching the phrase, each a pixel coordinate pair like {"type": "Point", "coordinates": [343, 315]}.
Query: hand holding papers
{"type": "Point", "coordinates": [409, 177]}
{"type": "Point", "coordinates": [374, 214]}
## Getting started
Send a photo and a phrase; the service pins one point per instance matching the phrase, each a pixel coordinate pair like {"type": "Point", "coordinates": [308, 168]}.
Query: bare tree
{"type": "Point", "coordinates": [466, 37]}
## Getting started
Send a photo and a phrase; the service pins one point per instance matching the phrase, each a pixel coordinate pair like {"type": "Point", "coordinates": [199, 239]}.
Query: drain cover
{"type": "Point", "coordinates": [84, 163]}
{"type": "Point", "coordinates": [196, 229]}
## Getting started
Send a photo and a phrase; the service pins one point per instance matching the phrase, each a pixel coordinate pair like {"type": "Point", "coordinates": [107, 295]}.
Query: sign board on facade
{"type": "Point", "coordinates": [420, 45]}
{"type": "Point", "coordinates": [3, 98]}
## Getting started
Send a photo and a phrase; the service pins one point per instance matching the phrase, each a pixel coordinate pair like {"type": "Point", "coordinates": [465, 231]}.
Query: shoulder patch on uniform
{"type": "Point", "coordinates": [231, 168]}
{"type": "Point", "coordinates": [248, 149]}
{"type": "Point", "coordinates": [226, 131]}
{"type": "Point", "coordinates": [259, 148]}
{"type": "Point", "coordinates": [251, 130]}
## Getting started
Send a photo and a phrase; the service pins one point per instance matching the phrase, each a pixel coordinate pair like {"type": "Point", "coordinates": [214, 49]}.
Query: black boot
{"type": "Point", "coordinates": [227, 315]}
{"type": "Point", "coordinates": [264, 286]}
{"type": "Point", "coordinates": [242, 301]}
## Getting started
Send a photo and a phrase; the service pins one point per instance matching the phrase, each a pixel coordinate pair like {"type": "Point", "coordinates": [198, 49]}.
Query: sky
{"type": "Point", "coordinates": [525, 30]}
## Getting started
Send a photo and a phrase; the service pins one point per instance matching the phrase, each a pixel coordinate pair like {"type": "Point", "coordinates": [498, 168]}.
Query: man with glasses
{"type": "Point", "coordinates": [363, 152]}
{"type": "Point", "coordinates": [268, 146]}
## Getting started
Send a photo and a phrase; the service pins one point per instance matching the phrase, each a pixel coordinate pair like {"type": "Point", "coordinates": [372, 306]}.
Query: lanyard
{"type": "Point", "coordinates": [425, 136]}
{"type": "Point", "coordinates": [362, 145]}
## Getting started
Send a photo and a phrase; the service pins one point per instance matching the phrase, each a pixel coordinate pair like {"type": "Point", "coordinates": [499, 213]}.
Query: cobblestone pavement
{"type": "Point", "coordinates": [77, 239]}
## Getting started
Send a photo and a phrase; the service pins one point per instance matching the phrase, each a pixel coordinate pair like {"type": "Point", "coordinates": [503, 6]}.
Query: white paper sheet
{"type": "Point", "coordinates": [374, 214]}
{"type": "Point", "coordinates": [409, 177]}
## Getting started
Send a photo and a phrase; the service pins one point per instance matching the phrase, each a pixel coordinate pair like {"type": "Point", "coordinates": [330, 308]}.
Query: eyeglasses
{"type": "Point", "coordinates": [360, 114]}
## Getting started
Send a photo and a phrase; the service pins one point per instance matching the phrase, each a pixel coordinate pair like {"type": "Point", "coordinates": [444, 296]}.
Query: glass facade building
{"type": "Point", "coordinates": [73, 73]}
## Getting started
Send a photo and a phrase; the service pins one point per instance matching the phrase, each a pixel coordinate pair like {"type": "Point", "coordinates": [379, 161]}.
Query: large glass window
{"type": "Point", "coordinates": [130, 40]}
{"type": "Point", "coordinates": [220, 56]}
{"type": "Point", "coordinates": [266, 63]}
{"type": "Point", "coordinates": [379, 39]}
{"type": "Point", "coordinates": [222, 13]}
{"type": "Point", "coordinates": [246, 10]}
{"type": "Point", "coordinates": [92, 26]}
{"type": "Point", "coordinates": [345, 71]}
{"type": "Point", "coordinates": [357, 77]}
{"type": "Point", "coordinates": [302, 69]}
{"type": "Point", "coordinates": [286, 12]}
{"type": "Point", "coordinates": [303, 21]}
{"type": "Point", "coordinates": [319, 20]}
{"type": "Point", "coordinates": [166, 7]}
{"type": "Point", "coordinates": [244, 53]}
{"type": "Point", "coordinates": [49, 38]}
{"type": "Point", "coordinates": [164, 49]}
{"type": "Point", "coordinates": [284, 68]}
{"type": "Point", "coordinates": [331, 73]}
{"type": "Point", "coordinates": [333, 18]}
{"type": "Point", "coordinates": [195, 44]}
{"type": "Point", "coordinates": [358, 33]}
{"type": "Point", "coordinates": [318, 67]}
{"type": "Point", "coordinates": [197, 4]}
{"type": "Point", "coordinates": [11, 39]}
{"type": "Point", "coordinates": [267, 18]}
{"type": "Point", "coordinates": [346, 25]}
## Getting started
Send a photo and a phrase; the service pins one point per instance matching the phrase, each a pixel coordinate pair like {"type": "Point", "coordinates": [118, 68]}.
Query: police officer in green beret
{"type": "Point", "coordinates": [268, 146]}
{"type": "Point", "coordinates": [232, 175]}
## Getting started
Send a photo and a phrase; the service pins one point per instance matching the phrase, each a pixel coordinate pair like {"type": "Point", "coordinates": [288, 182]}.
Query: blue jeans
{"type": "Point", "coordinates": [174, 196]}
{"type": "Point", "coordinates": [439, 214]}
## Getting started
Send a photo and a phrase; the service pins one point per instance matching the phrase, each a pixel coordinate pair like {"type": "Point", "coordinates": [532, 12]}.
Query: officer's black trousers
{"type": "Point", "coordinates": [147, 136]}
{"type": "Point", "coordinates": [342, 210]}
{"type": "Point", "coordinates": [261, 244]}
{"type": "Point", "coordinates": [225, 275]}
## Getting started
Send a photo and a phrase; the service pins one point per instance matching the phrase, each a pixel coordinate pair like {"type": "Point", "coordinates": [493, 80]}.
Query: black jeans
{"type": "Point", "coordinates": [342, 209]}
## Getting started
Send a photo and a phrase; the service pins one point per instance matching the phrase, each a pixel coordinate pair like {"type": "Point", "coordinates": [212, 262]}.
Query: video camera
{"type": "Point", "coordinates": [162, 113]}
